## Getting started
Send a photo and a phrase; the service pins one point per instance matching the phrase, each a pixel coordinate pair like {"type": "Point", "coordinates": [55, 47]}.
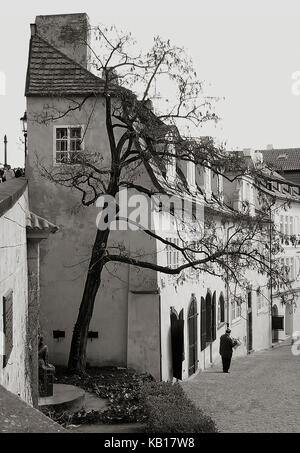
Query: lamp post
{"type": "Point", "coordinates": [23, 120]}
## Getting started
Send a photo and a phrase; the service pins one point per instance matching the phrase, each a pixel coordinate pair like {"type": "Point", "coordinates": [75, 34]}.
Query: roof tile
{"type": "Point", "coordinates": [51, 73]}
{"type": "Point", "coordinates": [283, 159]}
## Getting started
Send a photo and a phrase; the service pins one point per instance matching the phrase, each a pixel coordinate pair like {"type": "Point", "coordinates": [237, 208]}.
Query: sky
{"type": "Point", "coordinates": [247, 52]}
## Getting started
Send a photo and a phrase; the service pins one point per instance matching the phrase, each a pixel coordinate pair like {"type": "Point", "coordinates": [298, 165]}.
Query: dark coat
{"type": "Point", "coordinates": [226, 345]}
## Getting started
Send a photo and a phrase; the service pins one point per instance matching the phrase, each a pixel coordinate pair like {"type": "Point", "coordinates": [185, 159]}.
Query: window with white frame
{"type": "Point", "coordinates": [191, 174]}
{"type": "Point", "coordinates": [68, 143]}
{"type": "Point", "coordinates": [282, 263]}
{"type": "Point", "coordinates": [291, 226]}
{"type": "Point", "coordinates": [173, 255]}
{"type": "Point", "coordinates": [236, 310]}
{"type": "Point", "coordinates": [286, 225]}
{"type": "Point", "coordinates": [281, 225]}
{"type": "Point", "coordinates": [232, 310]}
{"type": "Point", "coordinates": [292, 268]}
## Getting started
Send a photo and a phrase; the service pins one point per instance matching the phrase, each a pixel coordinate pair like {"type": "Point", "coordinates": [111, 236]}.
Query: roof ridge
{"type": "Point", "coordinates": [280, 149]}
{"type": "Point", "coordinates": [68, 58]}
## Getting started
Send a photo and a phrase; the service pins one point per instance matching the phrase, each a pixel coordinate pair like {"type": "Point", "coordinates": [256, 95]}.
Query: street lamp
{"type": "Point", "coordinates": [23, 120]}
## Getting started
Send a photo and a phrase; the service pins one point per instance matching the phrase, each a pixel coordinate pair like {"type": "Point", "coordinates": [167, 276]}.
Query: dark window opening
{"type": "Point", "coordinates": [7, 326]}
{"type": "Point", "coordinates": [221, 309]}
{"type": "Point", "coordinates": [208, 320]}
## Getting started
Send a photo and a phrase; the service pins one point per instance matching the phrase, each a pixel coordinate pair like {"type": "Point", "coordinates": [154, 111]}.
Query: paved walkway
{"type": "Point", "coordinates": [18, 417]}
{"type": "Point", "coordinates": [260, 395]}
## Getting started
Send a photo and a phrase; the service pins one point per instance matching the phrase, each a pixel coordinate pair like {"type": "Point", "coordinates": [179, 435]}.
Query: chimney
{"type": "Point", "coordinates": [69, 33]}
{"type": "Point", "coordinates": [32, 29]}
{"type": "Point", "coordinates": [269, 147]}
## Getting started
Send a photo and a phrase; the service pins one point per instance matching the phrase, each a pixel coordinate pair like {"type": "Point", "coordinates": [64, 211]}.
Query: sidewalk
{"type": "Point", "coordinates": [261, 393]}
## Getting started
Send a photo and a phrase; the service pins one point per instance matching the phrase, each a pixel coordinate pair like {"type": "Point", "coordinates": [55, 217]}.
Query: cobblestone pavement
{"type": "Point", "coordinates": [260, 395]}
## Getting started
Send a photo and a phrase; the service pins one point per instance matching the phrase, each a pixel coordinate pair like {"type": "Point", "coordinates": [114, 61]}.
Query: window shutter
{"type": "Point", "coordinates": [203, 324]}
{"type": "Point", "coordinates": [7, 326]}
{"type": "Point", "coordinates": [213, 318]}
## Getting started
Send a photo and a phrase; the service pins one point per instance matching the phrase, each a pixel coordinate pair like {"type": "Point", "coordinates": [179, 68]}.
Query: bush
{"type": "Point", "coordinates": [170, 411]}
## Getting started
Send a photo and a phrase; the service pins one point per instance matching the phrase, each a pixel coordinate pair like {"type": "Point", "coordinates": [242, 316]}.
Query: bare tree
{"type": "Point", "coordinates": [143, 145]}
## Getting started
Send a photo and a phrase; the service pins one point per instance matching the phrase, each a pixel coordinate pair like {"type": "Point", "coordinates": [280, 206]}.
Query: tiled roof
{"type": "Point", "coordinates": [35, 223]}
{"type": "Point", "coordinates": [282, 159]}
{"type": "Point", "coordinates": [51, 73]}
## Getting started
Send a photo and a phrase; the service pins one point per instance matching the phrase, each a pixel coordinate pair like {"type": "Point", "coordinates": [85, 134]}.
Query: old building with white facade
{"type": "Point", "coordinates": [21, 232]}
{"type": "Point", "coordinates": [135, 310]}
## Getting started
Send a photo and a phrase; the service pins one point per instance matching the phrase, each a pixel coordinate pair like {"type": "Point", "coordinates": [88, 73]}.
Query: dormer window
{"type": "Point", "coordinates": [191, 175]}
{"type": "Point", "coordinates": [68, 142]}
{"type": "Point", "coordinates": [171, 163]}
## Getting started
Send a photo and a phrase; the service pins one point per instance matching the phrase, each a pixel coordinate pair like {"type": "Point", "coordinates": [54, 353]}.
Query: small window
{"type": "Point", "coordinates": [291, 225]}
{"type": "Point", "coordinates": [221, 310]}
{"type": "Point", "coordinates": [286, 226]}
{"type": "Point", "coordinates": [7, 310]}
{"type": "Point", "coordinates": [173, 255]}
{"type": "Point", "coordinates": [68, 143]}
{"type": "Point", "coordinates": [281, 224]}
{"type": "Point", "coordinates": [233, 310]}
{"type": "Point", "coordinates": [292, 269]}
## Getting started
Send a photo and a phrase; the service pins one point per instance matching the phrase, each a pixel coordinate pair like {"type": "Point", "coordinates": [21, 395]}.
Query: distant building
{"type": "Point", "coordinates": [285, 161]}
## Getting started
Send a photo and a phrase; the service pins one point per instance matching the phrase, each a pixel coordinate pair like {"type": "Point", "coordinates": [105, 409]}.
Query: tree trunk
{"type": "Point", "coordinates": [77, 357]}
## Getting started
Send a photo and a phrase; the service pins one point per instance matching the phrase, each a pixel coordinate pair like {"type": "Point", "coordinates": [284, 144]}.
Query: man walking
{"type": "Point", "coordinates": [226, 345]}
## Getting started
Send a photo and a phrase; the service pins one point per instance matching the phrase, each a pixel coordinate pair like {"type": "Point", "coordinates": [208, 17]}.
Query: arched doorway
{"type": "Point", "coordinates": [208, 305]}
{"type": "Point", "coordinates": [177, 342]}
{"type": "Point", "coordinates": [208, 321]}
{"type": "Point", "coordinates": [275, 332]}
{"type": "Point", "coordinates": [193, 336]}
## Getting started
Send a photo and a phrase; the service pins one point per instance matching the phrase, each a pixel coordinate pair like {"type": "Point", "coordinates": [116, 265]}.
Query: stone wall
{"type": "Point", "coordinates": [13, 278]}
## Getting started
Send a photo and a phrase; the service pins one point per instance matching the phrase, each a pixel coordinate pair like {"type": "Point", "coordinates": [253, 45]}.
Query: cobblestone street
{"type": "Point", "coordinates": [260, 395]}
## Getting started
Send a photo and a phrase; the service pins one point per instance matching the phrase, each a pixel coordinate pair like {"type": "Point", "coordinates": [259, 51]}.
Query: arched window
{"type": "Point", "coordinates": [221, 309]}
{"type": "Point", "coordinates": [193, 337]}
{"type": "Point", "coordinates": [208, 319]}
{"type": "Point", "coordinates": [177, 342]}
